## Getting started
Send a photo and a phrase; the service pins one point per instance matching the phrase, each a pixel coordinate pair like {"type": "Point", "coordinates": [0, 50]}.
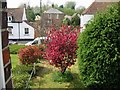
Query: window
{"type": "Point", "coordinates": [10, 30]}
{"type": "Point", "coordinates": [49, 21]}
{"type": "Point", "coordinates": [26, 31]}
{"type": "Point", "coordinates": [49, 16]}
{"type": "Point", "coordinates": [57, 17]}
{"type": "Point", "coordinates": [10, 18]}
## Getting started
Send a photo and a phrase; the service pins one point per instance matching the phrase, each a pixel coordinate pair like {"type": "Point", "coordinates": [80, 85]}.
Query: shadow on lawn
{"type": "Point", "coordinates": [41, 71]}
{"type": "Point", "coordinates": [76, 83]}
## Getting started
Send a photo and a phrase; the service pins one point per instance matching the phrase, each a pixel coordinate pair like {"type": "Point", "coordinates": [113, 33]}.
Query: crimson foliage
{"type": "Point", "coordinates": [29, 54]}
{"type": "Point", "coordinates": [61, 47]}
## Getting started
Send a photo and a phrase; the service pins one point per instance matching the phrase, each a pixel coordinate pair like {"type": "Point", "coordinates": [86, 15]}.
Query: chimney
{"type": "Point", "coordinates": [52, 5]}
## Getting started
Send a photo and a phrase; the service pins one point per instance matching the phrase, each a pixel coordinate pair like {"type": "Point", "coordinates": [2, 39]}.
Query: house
{"type": "Point", "coordinates": [51, 17]}
{"type": "Point", "coordinates": [18, 27]}
{"type": "Point", "coordinates": [97, 5]}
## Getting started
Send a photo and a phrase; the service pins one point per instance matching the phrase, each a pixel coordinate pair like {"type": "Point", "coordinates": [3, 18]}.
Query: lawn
{"type": "Point", "coordinates": [14, 60]}
{"type": "Point", "coordinates": [44, 72]}
{"type": "Point", "coordinates": [43, 78]}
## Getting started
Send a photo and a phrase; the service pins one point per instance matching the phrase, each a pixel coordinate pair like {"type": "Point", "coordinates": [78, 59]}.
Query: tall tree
{"type": "Point", "coordinates": [61, 6]}
{"type": "Point", "coordinates": [30, 14]}
{"type": "Point", "coordinates": [80, 9]}
{"type": "Point", "coordinates": [70, 4]}
{"type": "Point", "coordinates": [75, 20]}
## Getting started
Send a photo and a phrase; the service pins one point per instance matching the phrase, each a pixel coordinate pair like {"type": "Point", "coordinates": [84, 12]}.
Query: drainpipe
{"type": "Point", "coordinates": [19, 30]}
{"type": "Point", "coordinates": [2, 77]}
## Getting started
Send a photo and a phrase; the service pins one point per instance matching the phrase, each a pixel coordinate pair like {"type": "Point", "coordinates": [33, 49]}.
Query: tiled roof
{"type": "Point", "coordinates": [96, 6]}
{"type": "Point", "coordinates": [53, 10]}
{"type": "Point", "coordinates": [16, 13]}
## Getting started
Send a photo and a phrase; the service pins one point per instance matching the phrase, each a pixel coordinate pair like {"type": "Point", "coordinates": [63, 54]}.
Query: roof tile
{"type": "Point", "coordinates": [16, 13]}
{"type": "Point", "coordinates": [96, 6]}
{"type": "Point", "coordinates": [53, 10]}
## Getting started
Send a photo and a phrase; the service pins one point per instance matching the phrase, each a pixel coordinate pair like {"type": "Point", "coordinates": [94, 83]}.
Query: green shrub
{"type": "Point", "coordinates": [20, 75]}
{"type": "Point", "coordinates": [14, 48]}
{"type": "Point", "coordinates": [59, 77]}
{"type": "Point", "coordinates": [99, 50]}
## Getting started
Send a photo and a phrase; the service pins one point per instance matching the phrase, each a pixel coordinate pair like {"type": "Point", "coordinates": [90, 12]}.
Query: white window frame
{"type": "Point", "coordinates": [49, 16]}
{"type": "Point", "coordinates": [10, 18]}
{"type": "Point", "coordinates": [57, 16]}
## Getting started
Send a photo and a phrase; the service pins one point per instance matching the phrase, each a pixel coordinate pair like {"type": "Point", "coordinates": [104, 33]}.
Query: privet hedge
{"type": "Point", "coordinates": [99, 50]}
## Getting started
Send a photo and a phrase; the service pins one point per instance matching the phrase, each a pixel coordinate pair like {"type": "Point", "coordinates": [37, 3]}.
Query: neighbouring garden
{"type": "Point", "coordinates": [46, 57]}
{"type": "Point", "coordinates": [70, 59]}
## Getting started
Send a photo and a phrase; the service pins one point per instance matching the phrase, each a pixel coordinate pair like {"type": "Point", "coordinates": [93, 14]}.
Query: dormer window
{"type": "Point", "coordinates": [10, 18]}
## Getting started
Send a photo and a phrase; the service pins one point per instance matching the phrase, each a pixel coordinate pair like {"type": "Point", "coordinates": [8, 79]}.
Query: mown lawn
{"type": "Point", "coordinates": [14, 60]}
{"type": "Point", "coordinates": [43, 77]}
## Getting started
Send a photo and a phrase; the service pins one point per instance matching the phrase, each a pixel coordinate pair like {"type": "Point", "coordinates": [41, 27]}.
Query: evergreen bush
{"type": "Point", "coordinates": [99, 50]}
{"type": "Point", "coordinates": [59, 77]}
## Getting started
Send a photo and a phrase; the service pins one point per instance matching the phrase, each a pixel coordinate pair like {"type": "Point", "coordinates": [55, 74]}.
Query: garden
{"type": "Point", "coordinates": [70, 59]}
{"type": "Point", "coordinates": [34, 66]}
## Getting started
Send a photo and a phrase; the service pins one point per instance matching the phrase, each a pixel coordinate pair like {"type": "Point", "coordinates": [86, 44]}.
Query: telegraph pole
{"type": "Point", "coordinates": [40, 7]}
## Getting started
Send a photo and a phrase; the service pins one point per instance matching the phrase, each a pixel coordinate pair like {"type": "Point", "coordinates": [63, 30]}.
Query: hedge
{"type": "Point", "coordinates": [99, 50]}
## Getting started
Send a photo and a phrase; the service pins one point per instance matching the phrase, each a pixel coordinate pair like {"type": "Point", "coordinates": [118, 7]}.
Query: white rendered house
{"type": "Point", "coordinates": [18, 27]}
{"type": "Point", "coordinates": [96, 6]}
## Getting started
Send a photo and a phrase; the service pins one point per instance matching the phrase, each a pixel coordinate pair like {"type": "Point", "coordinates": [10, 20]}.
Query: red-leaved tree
{"type": "Point", "coordinates": [61, 47]}
{"type": "Point", "coordinates": [30, 54]}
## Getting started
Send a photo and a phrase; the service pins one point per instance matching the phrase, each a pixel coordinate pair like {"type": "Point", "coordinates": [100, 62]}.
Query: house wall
{"type": "Point", "coordinates": [46, 22]}
{"type": "Point", "coordinates": [84, 21]}
{"type": "Point", "coordinates": [2, 80]}
{"type": "Point", "coordinates": [18, 31]}
{"type": "Point", "coordinates": [22, 32]}
{"type": "Point", "coordinates": [15, 30]}
{"type": "Point", "coordinates": [53, 19]}
{"type": "Point", "coordinates": [5, 62]}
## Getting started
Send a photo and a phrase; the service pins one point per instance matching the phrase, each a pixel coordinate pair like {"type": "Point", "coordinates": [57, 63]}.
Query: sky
{"type": "Point", "coordinates": [16, 3]}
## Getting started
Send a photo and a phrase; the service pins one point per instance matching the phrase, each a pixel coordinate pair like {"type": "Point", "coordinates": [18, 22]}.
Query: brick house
{"type": "Point", "coordinates": [97, 5]}
{"type": "Point", "coordinates": [5, 62]}
{"type": "Point", "coordinates": [51, 17]}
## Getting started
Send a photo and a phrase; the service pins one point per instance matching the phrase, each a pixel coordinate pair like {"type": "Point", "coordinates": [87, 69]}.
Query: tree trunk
{"type": "Point", "coordinates": [63, 70]}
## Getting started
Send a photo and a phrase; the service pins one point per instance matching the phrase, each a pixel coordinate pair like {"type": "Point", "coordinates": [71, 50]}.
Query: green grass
{"type": "Point", "coordinates": [14, 60]}
{"type": "Point", "coordinates": [43, 78]}
{"type": "Point", "coordinates": [14, 48]}
{"type": "Point", "coordinates": [44, 73]}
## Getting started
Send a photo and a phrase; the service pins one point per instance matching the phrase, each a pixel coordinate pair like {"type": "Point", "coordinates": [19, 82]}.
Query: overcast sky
{"type": "Point", "coordinates": [16, 3]}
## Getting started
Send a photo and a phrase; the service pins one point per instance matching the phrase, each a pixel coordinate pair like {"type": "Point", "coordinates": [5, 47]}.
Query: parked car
{"type": "Point", "coordinates": [12, 42]}
{"type": "Point", "coordinates": [37, 40]}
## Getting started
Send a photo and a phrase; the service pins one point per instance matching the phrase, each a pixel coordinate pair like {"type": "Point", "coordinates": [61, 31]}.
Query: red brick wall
{"type": "Point", "coordinates": [5, 48]}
